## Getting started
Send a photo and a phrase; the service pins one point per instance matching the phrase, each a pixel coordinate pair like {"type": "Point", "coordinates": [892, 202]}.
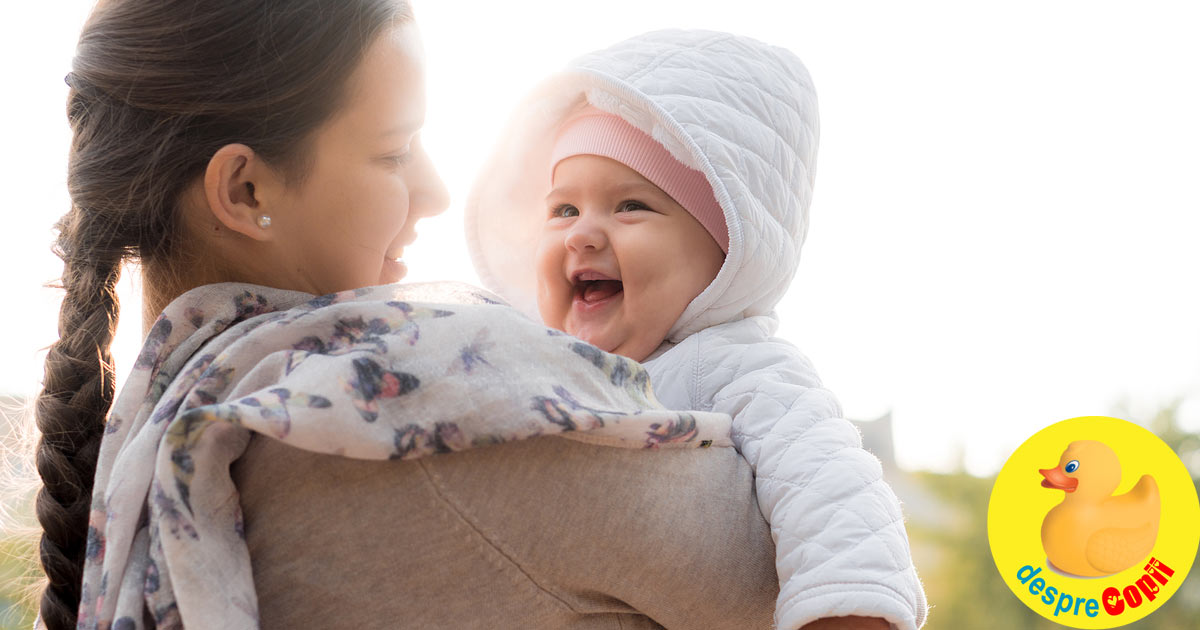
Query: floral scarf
{"type": "Point", "coordinates": [388, 372]}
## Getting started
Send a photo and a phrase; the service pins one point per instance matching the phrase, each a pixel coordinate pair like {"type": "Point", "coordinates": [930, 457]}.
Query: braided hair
{"type": "Point", "coordinates": [156, 88]}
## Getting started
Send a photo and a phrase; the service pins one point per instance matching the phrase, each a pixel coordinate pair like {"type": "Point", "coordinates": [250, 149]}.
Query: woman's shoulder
{"type": "Point", "coordinates": [570, 531]}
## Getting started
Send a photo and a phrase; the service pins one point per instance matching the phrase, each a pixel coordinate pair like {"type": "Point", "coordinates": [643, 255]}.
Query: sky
{"type": "Point", "coordinates": [1005, 229]}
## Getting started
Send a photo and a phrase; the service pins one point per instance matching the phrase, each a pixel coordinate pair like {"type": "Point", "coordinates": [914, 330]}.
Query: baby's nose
{"type": "Point", "coordinates": [586, 234]}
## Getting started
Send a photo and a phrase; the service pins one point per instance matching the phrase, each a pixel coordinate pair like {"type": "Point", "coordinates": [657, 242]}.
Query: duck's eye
{"type": "Point", "coordinates": [1072, 466]}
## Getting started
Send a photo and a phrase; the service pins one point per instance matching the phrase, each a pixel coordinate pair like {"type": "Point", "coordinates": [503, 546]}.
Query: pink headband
{"type": "Point", "coordinates": [595, 132]}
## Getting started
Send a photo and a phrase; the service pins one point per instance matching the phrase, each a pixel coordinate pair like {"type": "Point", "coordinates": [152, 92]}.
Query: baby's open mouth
{"type": "Point", "coordinates": [591, 287]}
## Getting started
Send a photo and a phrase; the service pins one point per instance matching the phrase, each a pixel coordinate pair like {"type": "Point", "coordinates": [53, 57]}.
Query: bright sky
{"type": "Point", "coordinates": [1005, 231]}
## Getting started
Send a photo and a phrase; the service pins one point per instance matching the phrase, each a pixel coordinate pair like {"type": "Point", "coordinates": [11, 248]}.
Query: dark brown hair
{"type": "Point", "coordinates": [156, 89]}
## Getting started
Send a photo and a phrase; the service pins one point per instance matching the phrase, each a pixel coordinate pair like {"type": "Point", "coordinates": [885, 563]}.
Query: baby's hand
{"type": "Point", "coordinates": [847, 623]}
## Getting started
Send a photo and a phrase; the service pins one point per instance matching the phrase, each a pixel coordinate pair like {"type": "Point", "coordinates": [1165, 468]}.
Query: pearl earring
{"type": "Point", "coordinates": [264, 221]}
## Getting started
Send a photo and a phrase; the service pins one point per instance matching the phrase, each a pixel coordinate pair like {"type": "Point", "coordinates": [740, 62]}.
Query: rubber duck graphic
{"type": "Point", "coordinates": [1093, 533]}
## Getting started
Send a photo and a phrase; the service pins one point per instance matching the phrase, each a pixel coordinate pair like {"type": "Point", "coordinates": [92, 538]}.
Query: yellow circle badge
{"type": "Point", "coordinates": [1092, 522]}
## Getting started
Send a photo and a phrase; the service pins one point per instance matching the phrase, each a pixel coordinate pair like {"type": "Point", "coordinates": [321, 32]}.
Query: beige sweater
{"type": "Point", "coordinates": [539, 533]}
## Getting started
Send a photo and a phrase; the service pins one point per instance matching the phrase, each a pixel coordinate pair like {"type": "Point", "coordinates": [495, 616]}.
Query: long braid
{"type": "Point", "coordinates": [77, 394]}
{"type": "Point", "coordinates": [156, 89]}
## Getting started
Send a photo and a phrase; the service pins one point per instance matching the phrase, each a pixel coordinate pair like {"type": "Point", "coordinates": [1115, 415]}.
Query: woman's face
{"type": "Point", "coordinates": [347, 223]}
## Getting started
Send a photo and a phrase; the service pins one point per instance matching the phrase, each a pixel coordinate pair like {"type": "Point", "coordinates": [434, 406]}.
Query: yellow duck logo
{"type": "Point", "coordinates": [1093, 533]}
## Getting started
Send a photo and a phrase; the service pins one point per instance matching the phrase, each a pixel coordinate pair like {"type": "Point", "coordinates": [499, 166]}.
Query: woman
{"type": "Point", "coordinates": [252, 155]}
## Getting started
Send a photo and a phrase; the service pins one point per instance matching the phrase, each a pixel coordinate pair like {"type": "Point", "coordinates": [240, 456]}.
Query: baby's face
{"type": "Point", "coordinates": [618, 260]}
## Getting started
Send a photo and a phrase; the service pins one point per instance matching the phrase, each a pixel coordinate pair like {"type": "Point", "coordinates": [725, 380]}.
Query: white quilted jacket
{"type": "Point", "coordinates": [840, 544]}
{"type": "Point", "coordinates": [745, 115]}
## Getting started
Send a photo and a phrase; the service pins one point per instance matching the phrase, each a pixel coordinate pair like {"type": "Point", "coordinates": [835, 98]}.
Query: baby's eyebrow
{"type": "Point", "coordinates": [557, 193]}
{"type": "Point", "coordinates": [647, 191]}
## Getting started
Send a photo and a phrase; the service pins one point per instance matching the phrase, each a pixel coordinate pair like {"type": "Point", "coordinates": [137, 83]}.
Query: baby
{"type": "Point", "coordinates": [652, 200]}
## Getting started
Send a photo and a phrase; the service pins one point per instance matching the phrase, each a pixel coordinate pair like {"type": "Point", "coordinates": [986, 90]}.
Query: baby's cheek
{"type": "Point", "coordinates": [553, 304]}
{"type": "Point", "coordinates": [550, 301]}
{"type": "Point", "coordinates": [549, 308]}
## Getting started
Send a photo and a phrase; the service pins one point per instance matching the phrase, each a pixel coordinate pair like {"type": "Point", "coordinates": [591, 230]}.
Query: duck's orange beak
{"type": "Point", "coordinates": [1057, 479]}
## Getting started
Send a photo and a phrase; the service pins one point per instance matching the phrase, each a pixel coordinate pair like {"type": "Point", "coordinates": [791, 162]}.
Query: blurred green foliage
{"type": "Point", "coordinates": [18, 573]}
{"type": "Point", "coordinates": [961, 581]}
{"type": "Point", "coordinates": [19, 570]}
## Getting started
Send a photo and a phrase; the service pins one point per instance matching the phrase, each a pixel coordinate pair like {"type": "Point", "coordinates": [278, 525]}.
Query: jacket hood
{"type": "Point", "coordinates": [741, 112]}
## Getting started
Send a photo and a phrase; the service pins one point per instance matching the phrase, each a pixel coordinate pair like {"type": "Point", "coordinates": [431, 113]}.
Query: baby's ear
{"type": "Point", "coordinates": [240, 189]}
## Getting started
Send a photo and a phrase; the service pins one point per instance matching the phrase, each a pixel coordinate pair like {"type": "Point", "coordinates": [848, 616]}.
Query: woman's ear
{"type": "Point", "coordinates": [238, 186]}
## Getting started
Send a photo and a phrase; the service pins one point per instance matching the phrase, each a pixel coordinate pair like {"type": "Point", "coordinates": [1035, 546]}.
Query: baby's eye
{"type": "Point", "coordinates": [564, 210]}
{"type": "Point", "coordinates": [629, 206]}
